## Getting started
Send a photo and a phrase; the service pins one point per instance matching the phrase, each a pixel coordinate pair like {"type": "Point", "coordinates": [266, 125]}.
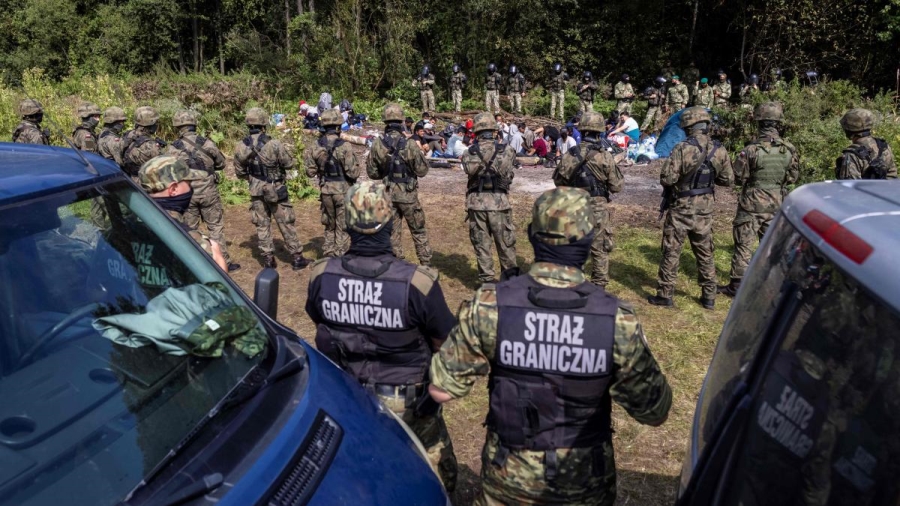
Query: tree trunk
{"type": "Point", "coordinates": [195, 31]}
{"type": "Point", "coordinates": [287, 27]}
{"type": "Point", "coordinates": [693, 29]}
{"type": "Point", "coordinates": [221, 53]}
{"type": "Point", "coordinates": [312, 5]}
{"type": "Point", "coordinates": [299, 7]}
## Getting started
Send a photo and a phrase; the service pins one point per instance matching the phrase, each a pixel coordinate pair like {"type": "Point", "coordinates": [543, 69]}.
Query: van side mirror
{"type": "Point", "coordinates": [265, 292]}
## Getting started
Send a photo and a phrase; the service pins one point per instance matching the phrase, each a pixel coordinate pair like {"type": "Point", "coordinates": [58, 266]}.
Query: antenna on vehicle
{"type": "Point", "coordinates": [59, 131]}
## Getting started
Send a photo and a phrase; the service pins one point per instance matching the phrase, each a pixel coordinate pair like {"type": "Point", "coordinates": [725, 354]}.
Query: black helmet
{"type": "Point", "coordinates": [513, 69]}
{"type": "Point", "coordinates": [345, 105]}
{"type": "Point", "coordinates": [426, 70]}
{"type": "Point", "coordinates": [455, 68]}
{"type": "Point", "coordinates": [587, 74]}
{"type": "Point", "coordinates": [557, 67]}
{"type": "Point", "coordinates": [754, 79]}
{"type": "Point", "coordinates": [721, 72]}
{"type": "Point", "coordinates": [625, 77]}
{"type": "Point", "coordinates": [777, 72]}
{"type": "Point", "coordinates": [660, 80]}
{"type": "Point", "coordinates": [491, 68]}
{"type": "Point", "coordinates": [648, 91]}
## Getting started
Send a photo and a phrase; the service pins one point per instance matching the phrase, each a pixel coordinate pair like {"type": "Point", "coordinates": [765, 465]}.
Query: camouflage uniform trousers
{"type": "Point", "coordinates": [585, 105]}
{"type": "Point", "coordinates": [558, 101]}
{"type": "Point", "coordinates": [485, 226]}
{"type": "Point", "coordinates": [651, 120]}
{"type": "Point", "coordinates": [206, 206]}
{"type": "Point", "coordinates": [457, 99]}
{"type": "Point", "coordinates": [747, 228]}
{"type": "Point", "coordinates": [515, 101]}
{"type": "Point", "coordinates": [624, 106]}
{"type": "Point", "coordinates": [414, 215]}
{"type": "Point", "coordinates": [602, 245]}
{"type": "Point", "coordinates": [261, 214]}
{"type": "Point", "coordinates": [427, 100]}
{"type": "Point", "coordinates": [521, 480]}
{"type": "Point", "coordinates": [492, 101]}
{"type": "Point", "coordinates": [432, 433]}
{"type": "Point", "coordinates": [337, 241]}
{"type": "Point", "coordinates": [698, 229]}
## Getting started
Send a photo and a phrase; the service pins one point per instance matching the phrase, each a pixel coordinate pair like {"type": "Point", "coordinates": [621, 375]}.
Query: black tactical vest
{"type": "Point", "coordinates": [194, 161]}
{"type": "Point", "coordinates": [702, 179]}
{"type": "Point", "coordinates": [333, 170]}
{"type": "Point", "coordinates": [364, 302]}
{"type": "Point", "coordinates": [552, 366]}
{"type": "Point", "coordinates": [255, 166]}
{"type": "Point", "coordinates": [398, 169]}
{"type": "Point", "coordinates": [876, 167]}
{"type": "Point", "coordinates": [135, 141]}
{"type": "Point", "coordinates": [488, 180]}
{"type": "Point", "coordinates": [584, 178]}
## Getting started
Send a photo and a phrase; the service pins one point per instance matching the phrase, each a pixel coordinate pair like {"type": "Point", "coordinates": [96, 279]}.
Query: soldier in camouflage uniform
{"type": "Point", "coordinates": [586, 91]}
{"type": "Point", "coordinates": [749, 90]}
{"type": "Point", "coordinates": [867, 157]}
{"type": "Point", "coordinates": [688, 178]}
{"type": "Point", "coordinates": [457, 83]}
{"type": "Point", "coordinates": [425, 84]}
{"type": "Point", "coordinates": [110, 144]}
{"type": "Point", "coordinates": [167, 180]}
{"type": "Point", "coordinates": [263, 162]}
{"type": "Point", "coordinates": [549, 438]}
{"type": "Point", "coordinates": [677, 96]}
{"type": "Point", "coordinates": [624, 94]}
{"type": "Point", "coordinates": [401, 164]}
{"type": "Point", "coordinates": [84, 137]}
{"type": "Point", "coordinates": [692, 79]}
{"type": "Point", "coordinates": [333, 163]}
{"type": "Point", "coordinates": [515, 88]}
{"type": "Point", "coordinates": [557, 87]}
{"type": "Point", "coordinates": [29, 130]}
{"type": "Point", "coordinates": [201, 154]}
{"type": "Point", "coordinates": [389, 356]}
{"type": "Point", "coordinates": [656, 100]}
{"type": "Point", "coordinates": [492, 85]}
{"type": "Point", "coordinates": [140, 144]}
{"type": "Point", "coordinates": [722, 91]}
{"type": "Point", "coordinates": [596, 172]}
{"type": "Point", "coordinates": [763, 169]}
{"type": "Point", "coordinates": [489, 166]}
{"type": "Point", "coordinates": [703, 94]}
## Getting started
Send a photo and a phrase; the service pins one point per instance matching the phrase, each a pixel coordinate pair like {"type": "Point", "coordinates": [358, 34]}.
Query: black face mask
{"type": "Point", "coordinates": [117, 127]}
{"type": "Point", "coordinates": [371, 245]}
{"type": "Point", "coordinates": [178, 203]}
{"type": "Point", "coordinates": [92, 122]}
{"type": "Point", "coordinates": [37, 118]}
{"type": "Point", "coordinates": [152, 129]}
{"type": "Point", "coordinates": [574, 254]}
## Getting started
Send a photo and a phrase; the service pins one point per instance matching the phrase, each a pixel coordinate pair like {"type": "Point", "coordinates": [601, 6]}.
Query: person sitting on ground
{"type": "Point", "coordinates": [310, 117]}
{"type": "Point", "coordinates": [528, 137]}
{"type": "Point", "coordinates": [573, 130]}
{"type": "Point", "coordinates": [462, 145]}
{"type": "Point", "coordinates": [408, 126]}
{"type": "Point", "coordinates": [419, 137]}
{"type": "Point", "coordinates": [515, 140]}
{"type": "Point", "coordinates": [627, 126]}
{"type": "Point", "coordinates": [564, 142]}
{"type": "Point", "coordinates": [502, 128]}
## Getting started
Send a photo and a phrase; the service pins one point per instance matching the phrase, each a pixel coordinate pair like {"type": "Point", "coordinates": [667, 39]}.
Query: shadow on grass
{"type": "Point", "coordinates": [647, 489]}
{"type": "Point", "coordinates": [315, 244]}
{"type": "Point", "coordinates": [468, 486]}
{"type": "Point", "coordinates": [281, 253]}
{"type": "Point", "coordinates": [456, 266]}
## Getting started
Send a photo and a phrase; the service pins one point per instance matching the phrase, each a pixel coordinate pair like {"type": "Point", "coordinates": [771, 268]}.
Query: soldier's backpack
{"type": "Point", "coordinates": [398, 171]}
{"type": "Point", "coordinates": [133, 142]}
{"type": "Point", "coordinates": [876, 166]}
{"type": "Point", "coordinates": [703, 180]}
{"type": "Point", "coordinates": [333, 170]}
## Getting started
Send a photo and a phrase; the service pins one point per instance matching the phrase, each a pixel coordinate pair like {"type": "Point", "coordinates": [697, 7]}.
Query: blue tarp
{"type": "Point", "coordinates": [671, 135]}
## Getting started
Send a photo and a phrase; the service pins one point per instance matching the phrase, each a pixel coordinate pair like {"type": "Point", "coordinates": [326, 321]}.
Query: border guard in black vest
{"type": "Point", "coordinates": [557, 350]}
{"type": "Point", "coordinates": [381, 318]}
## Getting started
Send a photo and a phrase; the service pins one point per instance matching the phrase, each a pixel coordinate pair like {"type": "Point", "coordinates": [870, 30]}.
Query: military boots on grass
{"type": "Point", "coordinates": [729, 290]}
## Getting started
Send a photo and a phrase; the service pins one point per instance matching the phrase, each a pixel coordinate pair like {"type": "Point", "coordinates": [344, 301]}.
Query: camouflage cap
{"type": "Point", "coordinates": [184, 117]}
{"type": "Point", "coordinates": [769, 111]}
{"type": "Point", "coordinates": [393, 112]}
{"type": "Point", "coordinates": [87, 109]}
{"type": "Point", "coordinates": [693, 115]}
{"type": "Point", "coordinates": [484, 121]}
{"type": "Point", "coordinates": [113, 114]}
{"type": "Point", "coordinates": [368, 207]}
{"type": "Point", "coordinates": [159, 172]}
{"type": "Point", "coordinates": [257, 116]}
{"type": "Point", "coordinates": [330, 117]}
{"type": "Point", "coordinates": [562, 216]}
{"type": "Point", "coordinates": [858, 120]}
{"type": "Point", "coordinates": [30, 107]}
{"type": "Point", "coordinates": [592, 122]}
{"type": "Point", "coordinates": [145, 116]}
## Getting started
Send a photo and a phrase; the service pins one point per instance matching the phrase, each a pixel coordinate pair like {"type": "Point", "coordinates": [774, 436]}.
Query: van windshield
{"type": "Point", "coordinates": [117, 336]}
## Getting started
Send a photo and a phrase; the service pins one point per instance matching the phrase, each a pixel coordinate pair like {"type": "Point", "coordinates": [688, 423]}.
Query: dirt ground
{"type": "Point", "coordinates": [649, 459]}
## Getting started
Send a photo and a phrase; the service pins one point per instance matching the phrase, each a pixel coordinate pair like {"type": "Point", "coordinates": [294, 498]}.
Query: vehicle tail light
{"type": "Point", "coordinates": [841, 239]}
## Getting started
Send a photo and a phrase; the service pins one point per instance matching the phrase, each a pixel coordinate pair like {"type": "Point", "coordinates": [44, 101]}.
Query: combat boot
{"type": "Point", "coordinates": [269, 261]}
{"type": "Point", "coordinates": [233, 266]}
{"type": "Point", "coordinates": [729, 290]}
{"type": "Point", "coordinates": [708, 303]}
{"type": "Point", "coordinates": [299, 262]}
{"type": "Point", "coordinates": [656, 300]}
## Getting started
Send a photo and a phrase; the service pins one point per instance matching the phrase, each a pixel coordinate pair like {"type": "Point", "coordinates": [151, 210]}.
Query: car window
{"type": "Point", "coordinates": [824, 428]}
{"type": "Point", "coordinates": [117, 336]}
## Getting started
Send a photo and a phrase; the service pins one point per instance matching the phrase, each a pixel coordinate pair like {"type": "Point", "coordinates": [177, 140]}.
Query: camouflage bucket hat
{"type": "Point", "coordinates": [769, 111]}
{"type": "Point", "coordinates": [368, 207]}
{"type": "Point", "coordinates": [113, 114]}
{"type": "Point", "coordinates": [592, 122]}
{"type": "Point", "coordinates": [88, 109]}
{"type": "Point", "coordinates": [393, 112]}
{"type": "Point", "coordinates": [330, 117]}
{"type": "Point", "coordinates": [145, 116]}
{"type": "Point", "coordinates": [161, 171]}
{"type": "Point", "coordinates": [29, 107]}
{"type": "Point", "coordinates": [858, 120]}
{"type": "Point", "coordinates": [257, 116]}
{"type": "Point", "coordinates": [484, 121]}
{"type": "Point", "coordinates": [184, 118]}
{"type": "Point", "coordinates": [693, 115]}
{"type": "Point", "coordinates": [562, 216]}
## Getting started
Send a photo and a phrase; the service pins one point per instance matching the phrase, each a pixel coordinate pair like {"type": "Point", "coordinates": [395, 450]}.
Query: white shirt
{"type": "Point", "coordinates": [630, 124]}
{"type": "Point", "coordinates": [563, 145]}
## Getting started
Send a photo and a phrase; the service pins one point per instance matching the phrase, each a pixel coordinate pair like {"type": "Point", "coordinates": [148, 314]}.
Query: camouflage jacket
{"type": "Point", "coordinates": [475, 167]}
{"type": "Point", "coordinates": [703, 96]}
{"type": "Point", "coordinates": [763, 200]}
{"type": "Point", "coordinates": [638, 384]}
{"type": "Point", "coordinates": [378, 166]}
{"type": "Point", "coordinates": [722, 92]}
{"type": "Point", "coordinates": [677, 96]}
{"type": "Point", "coordinates": [110, 145]}
{"type": "Point", "coordinates": [657, 97]}
{"type": "Point", "coordinates": [586, 90]}
{"type": "Point", "coordinates": [195, 234]}
{"type": "Point", "coordinates": [493, 82]}
{"type": "Point", "coordinates": [516, 83]}
{"type": "Point", "coordinates": [206, 154]}
{"type": "Point", "coordinates": [597, 160]}
{"type": "Point", "coordinates": [317, 156]}
{"type": "Point", "coordinates": [273, 155]}
{"type": "Point", "coordinates": [851, 166]}
{"type": "Point", "coordinates": [681, 165]}
{"type": "Point", "coordinates": [691, 75]}
{"type": "Point", "coordinates": [84, 138]}
{"type": "Point", "coordinates": [424, 82]}
{"type": "Point", "coordinates": [623, 91]}
{"type": "Point", "coordinates": [134, 155]}
{"type": "Point", "coordinates": [747, 93]}
{"type": "Point", "coordinates": [558, 81]}
{"type": "Point", "coordinates": [457, 81]}
{"type": "Point", "coordinates": [27, 132]}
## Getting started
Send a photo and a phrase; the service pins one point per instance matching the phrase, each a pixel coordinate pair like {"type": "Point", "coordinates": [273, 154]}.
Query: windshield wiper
{"type": "Point", "coordinates": [193, 490]}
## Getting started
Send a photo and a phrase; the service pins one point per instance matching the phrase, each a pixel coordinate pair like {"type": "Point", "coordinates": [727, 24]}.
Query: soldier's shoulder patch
{"type": "Point", "coordinates": [318, 267]}
{"type": "Point", "coordinates": [424, 278]}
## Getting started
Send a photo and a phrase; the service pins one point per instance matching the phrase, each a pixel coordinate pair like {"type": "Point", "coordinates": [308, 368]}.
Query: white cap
{"type": "Point", "coordinates": [304, 107]}
{"type": "Point", "coordinates": [429, 125]}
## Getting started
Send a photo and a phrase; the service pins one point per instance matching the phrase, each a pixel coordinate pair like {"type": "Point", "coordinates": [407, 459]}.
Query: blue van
{"type": "Point", "coordinates": [801, 404]}
{"type": "Point", "coordinates": [110, 392]}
